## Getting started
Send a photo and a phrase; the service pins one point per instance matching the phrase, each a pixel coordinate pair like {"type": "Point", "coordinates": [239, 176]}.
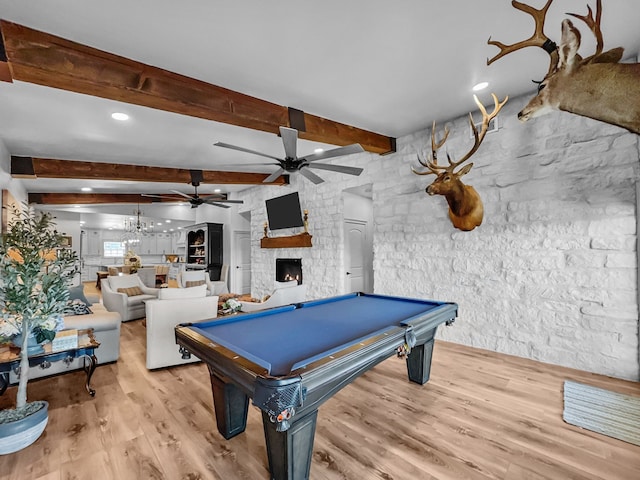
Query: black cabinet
{"type": "Point", "coordinates": [204, 248]}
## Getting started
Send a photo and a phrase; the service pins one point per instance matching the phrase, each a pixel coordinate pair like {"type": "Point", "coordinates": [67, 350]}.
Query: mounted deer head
{"type": "Point", "coordinates": [596, 87]}
{"type": "Point", "coordinates": [465, 206]}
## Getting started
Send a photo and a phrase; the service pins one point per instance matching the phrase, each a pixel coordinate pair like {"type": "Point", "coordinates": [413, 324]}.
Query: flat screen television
{"type": "Point", "coordinates": [284, 212]}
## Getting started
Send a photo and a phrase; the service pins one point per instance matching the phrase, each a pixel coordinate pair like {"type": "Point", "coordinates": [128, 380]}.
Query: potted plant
{"type": "Point", "coordinates": [35, 275]}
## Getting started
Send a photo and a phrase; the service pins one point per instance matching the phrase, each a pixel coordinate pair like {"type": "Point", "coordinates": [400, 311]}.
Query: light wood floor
{"type": "Point", "coordinates": [482, 416]}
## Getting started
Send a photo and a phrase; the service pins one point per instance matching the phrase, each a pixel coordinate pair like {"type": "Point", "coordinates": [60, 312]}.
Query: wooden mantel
{"type": "Point", "coordinates": [292, 241]}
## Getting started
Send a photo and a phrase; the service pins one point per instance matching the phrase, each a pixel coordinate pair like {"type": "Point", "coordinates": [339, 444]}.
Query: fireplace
{"type": "Point", "coordinates": [288, 269]}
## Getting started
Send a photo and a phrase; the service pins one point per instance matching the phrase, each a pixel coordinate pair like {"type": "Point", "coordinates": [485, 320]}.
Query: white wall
{"type": "Point", "coordinates": [6, 182]}
{"type": "Point", "coordinates": [550, 275]}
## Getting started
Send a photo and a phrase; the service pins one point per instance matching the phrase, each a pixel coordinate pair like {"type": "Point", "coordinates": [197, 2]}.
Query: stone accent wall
{"type": "Point", "coordinates": [551, 274]}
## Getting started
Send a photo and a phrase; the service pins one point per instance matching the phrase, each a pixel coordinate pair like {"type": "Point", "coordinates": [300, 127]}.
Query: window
{"type": "Point", "coordinates": [113, 249]}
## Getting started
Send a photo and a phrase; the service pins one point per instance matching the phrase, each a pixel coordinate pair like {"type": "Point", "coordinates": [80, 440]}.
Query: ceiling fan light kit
{"type": "Point", "coordinates": [292, 163]}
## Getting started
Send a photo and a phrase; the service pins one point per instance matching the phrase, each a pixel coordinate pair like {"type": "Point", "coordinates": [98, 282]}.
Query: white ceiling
{"type": "Point", "coordinates": [389, 67]}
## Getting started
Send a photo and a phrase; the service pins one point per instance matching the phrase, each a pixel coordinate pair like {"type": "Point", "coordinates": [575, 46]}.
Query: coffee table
{"type": "Point", "coordinates": [10, 359]}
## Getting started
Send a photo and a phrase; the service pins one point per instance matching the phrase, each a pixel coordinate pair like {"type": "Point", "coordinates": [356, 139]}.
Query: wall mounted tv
{"type": "Point", "coordinates": [284, 212]}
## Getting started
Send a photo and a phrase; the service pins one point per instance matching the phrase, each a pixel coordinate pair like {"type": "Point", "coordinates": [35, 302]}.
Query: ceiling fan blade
{"type": "Point", "coordinates": [246, 150]}
{"type": "Point", "coordinates": [216, 198]}
{"type": "Point", "coordinates": [160, 196]}
{"type": "Point", "coordinates": [216, 204]}
{"type": "Point", "coordinates": [309, 175]}
{"type": "Point", "coordinates": [235, 165]}
{"type": "Point", "coordinates": [273, 176]}
{"type": "Point", "coordinates": [336, 152]}
{"type": "Point", "coordinates": [290, 141]}
{"type": "Point", "coordinates": [182, 194]}
{"type": "Point", "coordinates": [337, 168]}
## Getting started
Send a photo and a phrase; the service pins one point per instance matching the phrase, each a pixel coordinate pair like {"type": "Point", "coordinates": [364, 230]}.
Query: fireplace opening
{"type": "Point", "coordinates": [288, 269]}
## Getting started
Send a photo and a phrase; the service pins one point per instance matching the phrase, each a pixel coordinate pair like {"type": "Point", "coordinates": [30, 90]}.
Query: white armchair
{"type": "Point", "coordinates": [173, 306]}
{"type": "Point", "coordinates": [285, 293]}
{"type": "Point", "coordinates": [148, 276]}
{"type": "Point", "coordinates": [218, 287]}
{"type": "Point", "coordinates": [129, 301]}
{"type": "Point", "coordinates": [192, 278]}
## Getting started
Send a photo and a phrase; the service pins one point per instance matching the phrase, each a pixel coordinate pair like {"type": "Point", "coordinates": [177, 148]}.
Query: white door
{"type": "Point", "coordinates": [242, 263]}
{"type": "Point", "coordinates": [355, 235]}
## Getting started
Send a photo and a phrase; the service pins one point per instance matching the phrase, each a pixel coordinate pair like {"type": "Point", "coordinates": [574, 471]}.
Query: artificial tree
{"type": "Point", "coordinates": [35, 275]}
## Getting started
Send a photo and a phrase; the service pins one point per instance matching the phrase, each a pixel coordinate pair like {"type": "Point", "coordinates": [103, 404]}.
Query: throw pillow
{"type": "Point", "coordinates": [77, 293]}
{"type": "Point", "coordinates": [131, 291]}
{"type": "Point", "coordinates": [195, 283]}
{"type": "Point", "coordinates": [76, 307]}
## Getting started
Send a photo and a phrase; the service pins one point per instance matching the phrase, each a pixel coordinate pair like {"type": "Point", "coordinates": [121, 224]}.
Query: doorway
{"type": "Point", "coordinates": [358, 240]}
{"type": "Point", "coordinates": [241, 262]}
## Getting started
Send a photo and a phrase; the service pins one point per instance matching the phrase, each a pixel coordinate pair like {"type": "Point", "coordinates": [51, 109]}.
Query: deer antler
{"type": "Point", "coordinates": [593, 24]}
{"type": "Point", "coordinates": [486, 119]}
{"type": "Point", "coordinates": [432, 162]}
{"type": "Point", "coordinates": [538, 39]}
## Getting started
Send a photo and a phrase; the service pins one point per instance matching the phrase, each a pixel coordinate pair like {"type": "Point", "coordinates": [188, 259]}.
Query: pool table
{"type": "Point", "coordinates": [289, 360]}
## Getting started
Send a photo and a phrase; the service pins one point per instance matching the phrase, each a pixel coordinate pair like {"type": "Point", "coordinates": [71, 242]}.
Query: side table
{"type": "Point", "coordinates": [10, 359]}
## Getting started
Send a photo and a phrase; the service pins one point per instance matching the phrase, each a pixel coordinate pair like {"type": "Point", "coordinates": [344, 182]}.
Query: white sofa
{"type": "Point", "coordinates": [173, 306]}
{"type": "Point", "coordinates": [285, 293]}
{"type": "Point", "coordinates": [129, 307]}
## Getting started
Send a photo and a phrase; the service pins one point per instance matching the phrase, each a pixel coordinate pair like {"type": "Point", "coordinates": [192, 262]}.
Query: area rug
{"type": "Point", "coordinates": [609, 413]}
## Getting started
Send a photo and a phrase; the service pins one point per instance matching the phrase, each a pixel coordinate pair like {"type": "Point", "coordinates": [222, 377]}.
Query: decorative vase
{"type": "Point", "coordinates": [33, 347]}
{"type": "Point", "coordinates": [22, 432]}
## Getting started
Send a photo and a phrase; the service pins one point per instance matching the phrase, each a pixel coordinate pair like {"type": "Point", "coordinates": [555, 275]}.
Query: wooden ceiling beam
{"type": "Point", "coordinates": [5, 73]}
{"type": "Point", "coordinates": [45, 59]}
{"type": "Point", "coordinates": [98, 198]}
{"type": "Point", "coordinates": [30, 167]}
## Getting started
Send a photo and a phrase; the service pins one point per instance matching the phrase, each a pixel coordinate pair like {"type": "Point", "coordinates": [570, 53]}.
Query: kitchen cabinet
{"type": "Point", "coordinates": [93, 243]}
{"type": "Point", "coordinates": [164, 243]}
{"type": "Point", "coordinates": [147, 245]}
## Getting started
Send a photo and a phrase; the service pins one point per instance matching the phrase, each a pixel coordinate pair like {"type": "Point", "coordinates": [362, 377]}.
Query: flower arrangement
{"type": "Point", "coordinates": [34, 283]}
{"type": "Point", "coordinates": [133, 261]}
{"type": "Point", "coordinates": [231, 305]}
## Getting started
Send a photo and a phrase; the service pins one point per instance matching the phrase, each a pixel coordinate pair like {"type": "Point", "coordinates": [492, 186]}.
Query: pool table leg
{"type": "Point", "coordinates": [290, 452]}
{"type": "Point", "coordinates": [419, 362]}
{"type": "Point", "coordinates": [231, 406]}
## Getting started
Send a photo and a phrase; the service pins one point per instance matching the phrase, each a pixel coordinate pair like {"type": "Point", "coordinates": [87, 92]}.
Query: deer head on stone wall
{"type": "Point", "coordinates": [597, 87]}
{"type": "Point", "coordinates": [465, 206]}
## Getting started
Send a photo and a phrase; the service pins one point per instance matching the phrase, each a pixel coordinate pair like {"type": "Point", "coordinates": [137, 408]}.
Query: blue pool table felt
{"type": "Point", "coordinates": [284, 339]}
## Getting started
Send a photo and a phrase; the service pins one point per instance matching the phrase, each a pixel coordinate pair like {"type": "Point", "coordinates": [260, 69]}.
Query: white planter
{"type": "Point", "coordinates": [20, 434]}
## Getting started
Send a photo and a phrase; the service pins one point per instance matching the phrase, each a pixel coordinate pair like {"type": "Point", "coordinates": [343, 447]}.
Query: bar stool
{"type": "Point", "coordinates": [100, 274]}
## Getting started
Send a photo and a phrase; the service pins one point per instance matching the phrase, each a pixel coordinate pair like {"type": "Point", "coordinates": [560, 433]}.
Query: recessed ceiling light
{"type": "Point", "coordinates": [120, 116]}
{"type": "Point", "coordinates": [159, 223]}
{"type": "Point", "coordinates": [480, 86]}
{"type": "Point", "coordinates": [318, 150]}
{"type": "Point", "coordinates": [86, 189]}
{"type": "Point", "coordinates": [217, 190]}
{"type": "Point", "coordinates": [167, 221]}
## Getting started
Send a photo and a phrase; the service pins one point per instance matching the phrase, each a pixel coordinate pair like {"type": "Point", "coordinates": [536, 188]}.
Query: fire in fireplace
{"type": "Point", "coordinates": [288, 269]}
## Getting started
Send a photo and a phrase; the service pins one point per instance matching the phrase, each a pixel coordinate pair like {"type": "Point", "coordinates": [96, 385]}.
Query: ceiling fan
{"type": "Point", "coordinates": [196, 200]}
{"type": "Point", "coordinates": [292, 163]}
